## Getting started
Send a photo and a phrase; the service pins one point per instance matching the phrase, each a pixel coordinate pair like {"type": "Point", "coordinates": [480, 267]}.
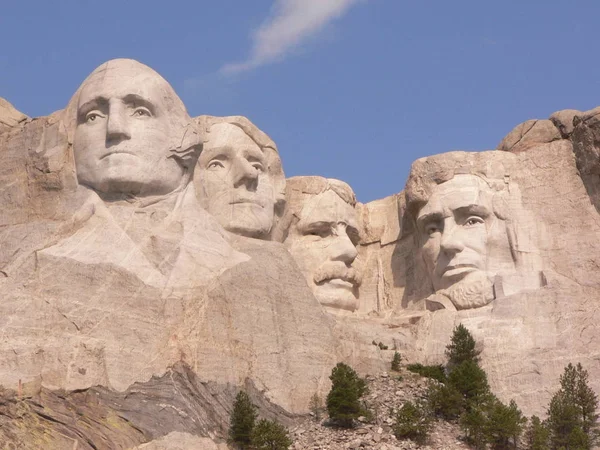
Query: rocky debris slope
{"type": "Point", "coordinates": [387, 393]}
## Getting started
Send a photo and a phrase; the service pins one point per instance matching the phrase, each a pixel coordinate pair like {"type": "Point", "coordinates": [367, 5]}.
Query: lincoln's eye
{"type": "Point", "coordinates": [432, 228]}
{"type": "Point", "coordinates": [473, 221]}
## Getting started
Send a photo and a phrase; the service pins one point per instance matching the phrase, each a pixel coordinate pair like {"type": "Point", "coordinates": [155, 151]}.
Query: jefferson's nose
{"type": "Point", "coordinates": [343, 249]}
{"type": "Point", "coordinates": [452, 239]}
{"type": "Point", "coordinates": [244, 173]}
{"type": "Point", "coordinates": [117, 127]}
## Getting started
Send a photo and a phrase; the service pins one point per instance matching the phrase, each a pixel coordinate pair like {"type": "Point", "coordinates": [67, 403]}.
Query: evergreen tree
{"type": "Point", "coordinates": [343, 401]}
{"type": "Point", "coordinates": [396, 361]}
{"type": "Point", "coordinates": [504, 425]}
{"type": "Point", "coordinates": [270, 435]}
{"type": "Point", "coordinates": [444, 401]}
{"type": "Point", "coordinates": [316, 406]}
{"type": "Point", "coordinates": [537, 436]}
{"type": "Point", "coordinates": [412, 422]}
{"type": "Point", "coordinates": [572, 411]}
{"type": "Point", "coordinates": [470, 380]}
{"type": "Point", "coordinates": [242, 420]}
{"type": "Point", "coordinates": [473, 422]}
{"type": "Point", "coordinates": [461, 347]}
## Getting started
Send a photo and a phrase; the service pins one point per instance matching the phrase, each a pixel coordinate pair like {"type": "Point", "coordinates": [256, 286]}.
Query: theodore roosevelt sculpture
{"type": "Point", "coordinates": [467, 217]}
{"type": "Point", "coordinates": [321, 233]}
{"type": "Point", "coordinates": [239, 178]}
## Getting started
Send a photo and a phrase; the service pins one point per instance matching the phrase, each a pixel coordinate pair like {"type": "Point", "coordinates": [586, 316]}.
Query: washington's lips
{"type": "Point", "coordinates": [116, 151]}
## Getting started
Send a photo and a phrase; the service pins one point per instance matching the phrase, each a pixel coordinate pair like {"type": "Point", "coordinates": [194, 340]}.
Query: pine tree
{"type": "Point", "coordinates": [461, 347]}
{"type": "Point", "coordinates": [504, 425]}
{"type": "Point", "coordinates": [470, 380]}
{"type": "Point", "coordinates": [572, 411]}
{"type": "Point", "coordinates": [242, 420]}
{"type": "Point", "coordinates": [537, 435]}
{"type": "Point", "coordinates": [396, 361]}
{"type": "Point", "coordinates": [270, 435]}
{"type": "Point", "coordinates": [343, 401]}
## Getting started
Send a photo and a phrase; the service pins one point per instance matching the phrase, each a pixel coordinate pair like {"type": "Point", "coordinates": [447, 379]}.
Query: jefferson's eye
{"type": "Point", "coordinates": [215, 164]}
{"type": "Point", "coordinates": [140, 111]}
{"type": "Point", "coordinates": [258, 166]}
{"type": "Point", "coordinates": [432, 228]}
{"type": "Point", "coordinates": [473, 221]}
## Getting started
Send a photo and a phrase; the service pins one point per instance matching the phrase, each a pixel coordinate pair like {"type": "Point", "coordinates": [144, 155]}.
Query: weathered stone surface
{"type": "Point", "coordinates": [529, 133]}
{"type": "Point", "coordinates": [9, 116]}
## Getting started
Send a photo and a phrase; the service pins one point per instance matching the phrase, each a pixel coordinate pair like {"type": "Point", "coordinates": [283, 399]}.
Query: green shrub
{"type": "Point", "coordinates": [270, 435]}
{"type": "Point", "coordinates": [412, 422]}
{"type": "Point", "coordinates": [435, 372]}
{"type": "Point", "coordinates": [445, 401]}
{"type": "Point", "coordinates": [242, 420]}
{"type": "Point", "coordinates": [343, 401]}
{"type": "Point", "coordinates": [396, 360]}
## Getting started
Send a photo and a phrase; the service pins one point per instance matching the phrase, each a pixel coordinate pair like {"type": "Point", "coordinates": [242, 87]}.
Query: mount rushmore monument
{"type": "Point", "coordinates": [152, 264]}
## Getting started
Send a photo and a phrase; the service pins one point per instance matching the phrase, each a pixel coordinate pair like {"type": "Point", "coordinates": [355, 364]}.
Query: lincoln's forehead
{"type": "Point", "coordinates": [327, 207]}
{"type": "Point", "coordinates": [461, 191]}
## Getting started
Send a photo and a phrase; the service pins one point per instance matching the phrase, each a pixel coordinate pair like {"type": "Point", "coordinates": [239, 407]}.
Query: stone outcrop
{"type": "Point", "coordinates": [153, 264]}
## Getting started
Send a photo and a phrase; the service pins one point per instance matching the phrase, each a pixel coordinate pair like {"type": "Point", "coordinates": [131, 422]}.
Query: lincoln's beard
{"type": "Point", "coordinates": [474, 291]}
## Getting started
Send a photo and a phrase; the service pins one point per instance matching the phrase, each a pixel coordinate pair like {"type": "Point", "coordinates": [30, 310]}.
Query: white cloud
{"type": "Point", "coordinates": [291, 22]}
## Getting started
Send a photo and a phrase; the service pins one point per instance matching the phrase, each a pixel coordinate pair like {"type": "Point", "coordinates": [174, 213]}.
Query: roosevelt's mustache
{"type": "Point", "coordinates": [337, 270]}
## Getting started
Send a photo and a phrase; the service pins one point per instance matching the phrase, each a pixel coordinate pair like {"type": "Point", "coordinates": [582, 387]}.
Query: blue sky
{"type": "Point", "coordinates": [349, 89]}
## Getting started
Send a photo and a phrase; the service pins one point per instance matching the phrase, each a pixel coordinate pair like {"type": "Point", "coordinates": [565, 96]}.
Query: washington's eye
{"type": "Point", "coordinates": [215, 164]}
{"type": "Point", "coordinates": [140, 111]}
{"type": "Point", "coordinates": [92, 116]}
{"type": "Point", "coordinates": [473, 220]}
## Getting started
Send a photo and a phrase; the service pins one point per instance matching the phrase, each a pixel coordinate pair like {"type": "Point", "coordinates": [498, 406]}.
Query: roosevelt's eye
{"type": "Point", "coordinates": [92, 116]}
{"type": "Point", "coordinates": [473, 221]}
{"type": "Point", "coordinates": [215, 164]}
{"type": "Point", "coordinates": [319, 232]}
{"type": "Point", "coordinates": [140, 111]}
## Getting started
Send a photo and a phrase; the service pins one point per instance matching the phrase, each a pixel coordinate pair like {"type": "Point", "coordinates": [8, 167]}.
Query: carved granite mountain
{"type": "Point", "coordinates": [153, 264]}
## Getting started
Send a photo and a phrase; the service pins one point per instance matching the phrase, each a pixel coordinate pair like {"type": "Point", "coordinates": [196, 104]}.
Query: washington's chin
{"type": "Point", "coordinates": [337, 294]}
{"type": "Point", "coordinates": [247, 219]}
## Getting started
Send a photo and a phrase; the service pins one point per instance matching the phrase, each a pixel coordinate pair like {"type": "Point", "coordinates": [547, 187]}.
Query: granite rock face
{"type": "Point", "coordinates": [153, 264]}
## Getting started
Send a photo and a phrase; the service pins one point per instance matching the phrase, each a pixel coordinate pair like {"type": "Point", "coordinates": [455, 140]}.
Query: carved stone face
{"type": "Point", "coordinates": [124, 133]}
{"type": "Point", "coordinates": [460, 234]}
{"type": "Point", "coordinates": [323, 243]}
{"type": "Point", "coordinates": [235, 184]}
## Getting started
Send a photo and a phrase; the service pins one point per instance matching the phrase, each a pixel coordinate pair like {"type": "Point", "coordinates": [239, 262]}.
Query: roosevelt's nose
{"type": "Point", "coordinates": [342, 248]}
{"type": "Point", "coordinates": [117, 127]}
{"type": "Point", "coordinates": [244, 174]}
{"type": "Point", "coordinates": [452, 238]}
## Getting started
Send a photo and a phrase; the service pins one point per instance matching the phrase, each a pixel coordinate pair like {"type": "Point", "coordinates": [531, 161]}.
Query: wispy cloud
{"type": "Point", "coordinates": [291, 22]}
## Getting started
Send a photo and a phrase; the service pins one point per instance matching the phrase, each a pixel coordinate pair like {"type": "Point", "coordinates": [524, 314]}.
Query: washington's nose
{"type": "Point", "coordinates": [343, 249]}
{"type": "Point", "coordinates": [117, 128]}
{"type": "Point", "coordinates": [244, 173]}
{"type": "Point", "coordinates": [452, 239]}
